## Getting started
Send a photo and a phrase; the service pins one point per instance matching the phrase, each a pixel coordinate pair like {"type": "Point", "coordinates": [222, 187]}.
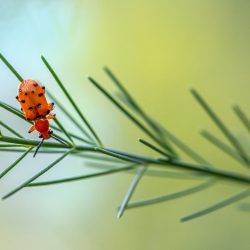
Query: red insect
{"type": "Point", "coordinates": [35, 107]}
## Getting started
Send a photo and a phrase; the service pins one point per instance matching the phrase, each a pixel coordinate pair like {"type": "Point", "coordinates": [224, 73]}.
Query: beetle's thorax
{"type": "Point", "coordinates": [42, 126]}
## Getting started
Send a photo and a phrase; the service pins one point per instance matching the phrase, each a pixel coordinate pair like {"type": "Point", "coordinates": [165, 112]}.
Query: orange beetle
{"type": "Point", "coordinates": [35, 107]}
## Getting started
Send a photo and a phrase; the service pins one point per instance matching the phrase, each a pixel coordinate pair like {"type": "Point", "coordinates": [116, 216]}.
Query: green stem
{"type": "Point", "coordinates": [27, 142]}
{"type": "Point", "coordinates": [119, 156]}
{"type": "Point", "coordinates": [221, 126]}
{"type": "Point", "coordinates": [71, 117]}
{"type": "Point", "coordinates": [216, 171]}
{"type": "Point", "coordinates": [82, 177]}
{"type": "Point", "coordinates": [171, 196]}
{"type": "Point", "coordinates": [10, 129]}
{"type": "Point", "coordinates": [26, 183]}
{"type": "Point", "coordinates": [137, 158]}
{"type": "Point", "coordinates": [71, 100]}
{"type": "Point", "coordinates": [184, 147]}
{"type": "Point", "coordinates": [126, 112]}
{"type": "Point", "coordinates": [221, 204]}
{"type": "Point", "coordinates": [15, 163]}
{"type": "Point", "coordinates": [222, 146]}
{"type": "Point", "coordinates": [135, 106]}
{"type": "Point", "coordinates": [131, 189]}
{"type": "Point", "coordinates": [242, 116]}
{"type": "Point", "coordinates": [64, 130]}
{"type": "Point", "coordinates": [7, 145]}
{"type": "Point", "coordinates": [11, 67]}
{"type": "Point", "coordinates": [154, 148]}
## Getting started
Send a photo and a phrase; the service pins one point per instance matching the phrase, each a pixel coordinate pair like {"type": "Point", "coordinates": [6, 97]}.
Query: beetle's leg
{"type": "Point", "coordinates": [51, 106]}
{"type": "Point", "coordinates": [33, 128]}
{"type": "Point", "coordinates": [51, 116]}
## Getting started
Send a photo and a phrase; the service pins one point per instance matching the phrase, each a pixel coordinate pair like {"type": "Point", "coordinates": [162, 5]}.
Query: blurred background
{"type": "Point", "coordinates": [159, 49]}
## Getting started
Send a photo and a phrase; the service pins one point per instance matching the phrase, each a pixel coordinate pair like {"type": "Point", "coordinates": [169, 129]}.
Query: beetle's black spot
{"type": "Point", "coordinates": [32, 91]}
{"type": "Point", "coordinates": [48, 111]}
{"type": "Point", "coordinates": [43, 87]}
{"type": "Point", "coordinates": [30, 108]}
{"type": "Point", "coordinates": [50, 132]}
{"type": "Point", "coordinates": [39, 105]}
{"type": "Point", "coordinates": [17, 97]}
{"type": "Point", "coordinates": [26, 93]}
{"type": "Point", "coordinates": [41, 94]}
{"type": "Point", "coordinates": [23, 101]}
{"type": "Point", "coordinates": [35, 84]}
{"type": "Point", "coordinates": [21, 109]}
{"type": "Point", "coordinates": [52, 103]}
{"type": "Point", "coordinates": [28, 119]}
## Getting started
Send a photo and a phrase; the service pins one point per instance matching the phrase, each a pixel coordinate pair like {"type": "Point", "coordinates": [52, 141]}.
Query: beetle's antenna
{"type": "Point", "coordinates": [38, 146]}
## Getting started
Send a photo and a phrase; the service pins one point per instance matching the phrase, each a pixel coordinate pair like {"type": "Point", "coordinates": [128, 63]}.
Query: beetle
{"type": "Point", "coordinates": [34, 105]}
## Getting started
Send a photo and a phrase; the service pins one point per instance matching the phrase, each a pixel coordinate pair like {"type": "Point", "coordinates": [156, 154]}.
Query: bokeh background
{"type": "Point", "coordinates": [159, 49]}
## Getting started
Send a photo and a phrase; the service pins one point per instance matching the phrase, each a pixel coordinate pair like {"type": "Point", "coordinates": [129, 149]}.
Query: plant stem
{"type": "Point", "coordinates": [81, 177]}
{"type": "Point", "coordinates": [221, 126]}
{"type": "Point", "coordinates": [37, 175]}
{"type": "Point", "coordinates": [63, 130]}
{"type": "Point", "coordinates": [70, 117]}
{"type": "Point", "coordinates": [151, 146]}
{"type": "Point", "coordinates": [135, 106]}
{"type": "Point", "coordinates": [71, 100]}
{"type": "Point", "coordinates": [10, 129]}
{"type": "Point", "coordinates": [171, 196]}
{"type": "Point", "coordinates": [222, 146]}
{"type": "Point", "coordinates": [11, 67]}
{"type": "Point", "coordinates": [131, 189]}
{"type": "Point", "coordinates": [15, 163]}
{"type": "Point", "coordinates": [221, 204]}
{"type": "Point", "coordinates": [216, 171]}
{"type": "Point", "coordinates": [242, 116]}
{"type": "Point", "coordinates": [126, 112]}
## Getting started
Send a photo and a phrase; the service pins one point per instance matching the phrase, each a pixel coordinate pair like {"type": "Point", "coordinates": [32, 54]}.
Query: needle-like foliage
{"type": "Point", "coordinates": [168, 164]}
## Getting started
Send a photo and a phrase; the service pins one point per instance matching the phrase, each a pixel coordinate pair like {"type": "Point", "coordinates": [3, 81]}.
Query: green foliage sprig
{"type": "Point", "coordinates": [88, 145]}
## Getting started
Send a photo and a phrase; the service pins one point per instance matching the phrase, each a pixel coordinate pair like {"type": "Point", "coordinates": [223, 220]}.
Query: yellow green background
{"type": "Point", "coordinates": [159, 49]}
